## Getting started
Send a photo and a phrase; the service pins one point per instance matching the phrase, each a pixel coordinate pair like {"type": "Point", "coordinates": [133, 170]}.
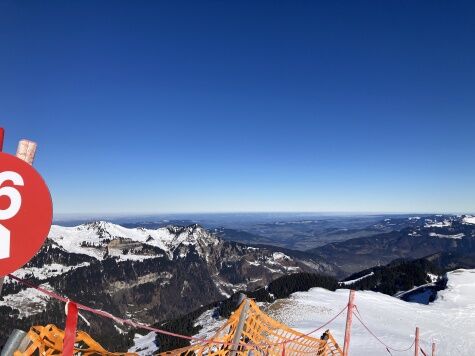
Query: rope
{"type": "Point", "coordinates": [164, 332]}
{"type": "Point", "coordinates": [124, 321]}
{"type": "Point", "coordinates": [311, 332]}
{"type": "Point", "coordinates": [377, 338]}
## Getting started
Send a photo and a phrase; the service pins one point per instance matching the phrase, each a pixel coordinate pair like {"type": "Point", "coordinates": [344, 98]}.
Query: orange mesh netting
{"type": "Point", "coordinates": [259, 335]}
{"type": "Point", "coordinates": [48, 340]}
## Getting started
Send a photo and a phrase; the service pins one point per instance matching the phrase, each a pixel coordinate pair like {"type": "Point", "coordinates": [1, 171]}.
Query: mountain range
{"type": "Point", "coordinates": [143, 274]}
{"type": "Point", "coordinates": [158, 274]}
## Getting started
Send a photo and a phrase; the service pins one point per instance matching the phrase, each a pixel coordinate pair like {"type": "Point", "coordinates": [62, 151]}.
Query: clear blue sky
{"type": "Point", "coordinates": [202, 106]}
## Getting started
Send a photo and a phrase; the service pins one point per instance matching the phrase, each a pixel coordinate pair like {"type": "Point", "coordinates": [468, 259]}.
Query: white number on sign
{"type": "Point", "coordinates": [13, 209]}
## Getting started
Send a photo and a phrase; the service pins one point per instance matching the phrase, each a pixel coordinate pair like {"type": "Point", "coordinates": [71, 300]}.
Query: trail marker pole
{"type": "Point", "coordinates": [2, 134]}
{"type": "Point", "coordinates": [349, 319]}
{"type": "Point", "coordinates": [416, 343]}
{"type": "Point", "coordinates": [433, 349]}
{"type": "Point", "coordinates": [239, 328]}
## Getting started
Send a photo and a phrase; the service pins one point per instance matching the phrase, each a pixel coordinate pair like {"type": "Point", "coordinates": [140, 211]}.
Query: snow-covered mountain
{"type": "Point", "coordinates": [96, 238]}
{"type": "Point", "coordinates": [145, 274]}
{"type": "Point", "coordinates": [153, 275]}
{"type": "Point", "coordinates": [69, 248]}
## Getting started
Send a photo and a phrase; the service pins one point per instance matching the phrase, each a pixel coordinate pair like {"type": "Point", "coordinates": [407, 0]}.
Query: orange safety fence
{"type": "Point", "coordinates": [259, 334]}
{"type": "Point", "coordinates": [262, 335]}
{"type": "Point", "coordinates": [48, 340]}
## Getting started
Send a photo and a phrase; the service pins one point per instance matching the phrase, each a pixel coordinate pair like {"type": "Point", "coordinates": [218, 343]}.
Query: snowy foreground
{"type": "Point", "coordinates": [449, 321]}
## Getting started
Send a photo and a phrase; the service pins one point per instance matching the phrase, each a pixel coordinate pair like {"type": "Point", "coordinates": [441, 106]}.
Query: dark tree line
{"type": "Point", "coordinates": [395, 277]}
{"type": "Point", "coordinates": [280, 288]}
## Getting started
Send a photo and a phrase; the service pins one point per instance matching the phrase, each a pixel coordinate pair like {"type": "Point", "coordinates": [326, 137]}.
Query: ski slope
{"type": "Point", "coordinates": [449, 321]}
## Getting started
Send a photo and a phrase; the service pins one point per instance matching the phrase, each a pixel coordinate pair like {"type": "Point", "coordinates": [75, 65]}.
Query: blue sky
{"type": "Point", "coordinates": [203, 106]}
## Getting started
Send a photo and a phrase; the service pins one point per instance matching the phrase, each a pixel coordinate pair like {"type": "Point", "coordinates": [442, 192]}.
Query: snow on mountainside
{"type": "Point", "coordinates": [89, 238]}
{"type": "Point", "coordinates": [449, 321]}
{"type": "Point", "coordinates": [445, 223]}
{"type": "Point", "coordinates": [104, 239]}
{"type": "Point", "coordinates": [469, 220]}
{"type": "Point", "coordinates": [442, 236]}
{"type": "Point", "coordinates": [352, 281]}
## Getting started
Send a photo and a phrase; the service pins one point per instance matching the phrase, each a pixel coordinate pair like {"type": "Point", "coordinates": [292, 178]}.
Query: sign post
{"type": "Point", "coordinates": [26, 210]}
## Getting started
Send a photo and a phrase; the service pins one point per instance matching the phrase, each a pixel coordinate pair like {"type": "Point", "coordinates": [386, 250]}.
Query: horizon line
{"type": "Point", "coordinates": [150, 214]}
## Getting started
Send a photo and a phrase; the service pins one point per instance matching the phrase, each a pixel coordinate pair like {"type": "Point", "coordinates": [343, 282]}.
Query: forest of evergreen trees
{"type": "Point", "coordinates": [280, 288]}
{"type": "Point", "coordinates": [397, 276]}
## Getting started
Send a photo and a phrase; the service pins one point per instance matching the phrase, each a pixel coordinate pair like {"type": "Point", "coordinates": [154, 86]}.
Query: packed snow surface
{"type": "Point", "coordinates": [449, 320]}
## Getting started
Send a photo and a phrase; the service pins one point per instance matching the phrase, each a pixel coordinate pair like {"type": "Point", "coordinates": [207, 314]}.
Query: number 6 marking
{"type": "Point", "coordinates": [13, 209]}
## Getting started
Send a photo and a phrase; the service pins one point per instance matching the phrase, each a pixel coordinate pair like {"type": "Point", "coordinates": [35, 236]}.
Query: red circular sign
{"type": "Point", "coordinates": [26, 212]}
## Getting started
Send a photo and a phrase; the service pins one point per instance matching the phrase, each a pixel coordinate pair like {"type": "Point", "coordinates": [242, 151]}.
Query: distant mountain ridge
{"type": "Point", "coordinates": [425, 236]}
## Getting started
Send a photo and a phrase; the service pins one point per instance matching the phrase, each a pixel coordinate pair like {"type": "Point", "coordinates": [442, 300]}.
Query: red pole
{"type": "Point", "coordinates": [70, 329]}
{"type": "Point", "coordinates": [416, 343]}
{"type": "Point", "coordinates": [349, 319]}
{"type": "Point", "coordinates": [433, 349]}
{"type": "Point", "coordinates": [2, 134]}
